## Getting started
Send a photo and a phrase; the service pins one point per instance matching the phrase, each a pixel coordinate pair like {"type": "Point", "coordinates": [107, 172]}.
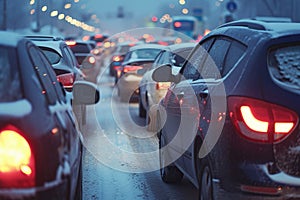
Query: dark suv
{"type": "Point", "coordinates": [40, 146]}
{"type": "Point", "coordinates": [230, 120]}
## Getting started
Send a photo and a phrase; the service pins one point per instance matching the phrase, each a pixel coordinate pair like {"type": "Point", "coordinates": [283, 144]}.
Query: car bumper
{"type": "Point", "coordinates": [290, 193]}
{"type": "Point", "coordinates": [258, 183]}
{"type": "Point", "coordinates": [50, 190]}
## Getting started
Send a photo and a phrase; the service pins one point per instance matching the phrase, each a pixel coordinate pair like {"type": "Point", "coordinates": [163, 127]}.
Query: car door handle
{"type": "Point", "coordinates": [203, 94]}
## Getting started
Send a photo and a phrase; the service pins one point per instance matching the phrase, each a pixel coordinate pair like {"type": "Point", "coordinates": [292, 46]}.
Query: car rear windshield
{"type": "Point", "coordinates": [10, 85]}
{"type": "Point", "coordinates": [144, 54]}
{"type": "Point", "coordinates": [284, 65]}
{"type": "Point", "coordinates": [80, 48]}
{"type": "Point", "coordinates": [51, 55]}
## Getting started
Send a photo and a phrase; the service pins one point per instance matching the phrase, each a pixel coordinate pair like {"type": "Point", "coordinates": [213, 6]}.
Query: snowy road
{"type": "Point", "coordinates": [120, 159]}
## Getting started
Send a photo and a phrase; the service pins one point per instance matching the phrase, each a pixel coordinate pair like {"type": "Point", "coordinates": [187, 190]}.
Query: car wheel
{"type": "Point", "coordinates": [142, 111]}
{"type": "Point", "coordinates": [170, 173]}
{"type": "Point", "coordinates": [206, 185]}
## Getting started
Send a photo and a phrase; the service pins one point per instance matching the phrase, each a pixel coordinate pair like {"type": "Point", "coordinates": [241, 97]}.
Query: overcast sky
{"type": "Point", "coordinates": [136, 12]}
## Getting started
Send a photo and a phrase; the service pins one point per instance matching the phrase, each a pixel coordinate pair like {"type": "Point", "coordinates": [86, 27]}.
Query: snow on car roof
{"type": "Point", "coordinates": [147, 46]}
{"type": "Point", "coordinates": [175, 47]}
{"type": "Point", "coordinates": [18, 108]}
{"type": "Point", "coordinates": [50, 44]}
{"type": "Point", "coordinates": [9, 38]}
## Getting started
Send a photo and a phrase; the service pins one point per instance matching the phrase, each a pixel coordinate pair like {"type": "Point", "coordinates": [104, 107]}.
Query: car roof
{"type": "Point", "coordinates": [279, 26]}
{"type": "Point", "coordinates": [10, 38]}
{"type": "Point", "coordinates": [269, 27]}
{"type": "Point", "coordinates": [44, 37]}
{"type": "Point", "coordinates": [55, 45]}
{"type": "Point", "coordinates": [175, 47]}
{"type": "Point", "coordinates": [147, 46]}
{"type": "Point", "coordinates": [249, 31]}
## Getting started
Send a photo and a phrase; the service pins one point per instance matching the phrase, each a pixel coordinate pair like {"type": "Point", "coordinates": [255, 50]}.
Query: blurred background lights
{"type": "Point", "coordinates": [181, 2]}
{"type": "Point", "coordinates": [61, 16]}
{"type": "Point", "coordinates": [54, 13]}
{"type": "Point", "coordinates": [32, 11]}
{"type": "Point", "coordinates": [44, 8]}
{"type": "Point", "coordinates": [185, 11]}
{"type": "Point", "coordinates": [68, 5]}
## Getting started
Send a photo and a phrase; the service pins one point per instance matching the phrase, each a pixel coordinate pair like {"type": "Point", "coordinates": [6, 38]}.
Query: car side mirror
{"type": "Point", "coordinates": [85, 93]}
{"type": "Point", "coordinates": [164, 74]}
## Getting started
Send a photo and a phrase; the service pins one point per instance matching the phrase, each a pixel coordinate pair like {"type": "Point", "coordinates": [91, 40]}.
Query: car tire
{"type": "Point", "coordinates": [170, 173]}
{"type": "Point", "coordinates": [142, 110]}
{"type": "Point", "coordinates": [205, 183]}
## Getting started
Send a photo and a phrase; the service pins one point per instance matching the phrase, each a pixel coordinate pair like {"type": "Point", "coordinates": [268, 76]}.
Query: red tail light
{"type": "Point", "coordinates": [116, 58]}
{"type": "Point", "coordinates": [261, 121]}
{"type": "Point", "coordinates": [66, 79]}
{"type": "Point", "coordinates": [162, 85]}
{"type": "Point", "coordinates": [17, 167]}
{"type": "Point", "coordinates": [129, 68]}
{"type": "Point", "coordinates": [71, 43]}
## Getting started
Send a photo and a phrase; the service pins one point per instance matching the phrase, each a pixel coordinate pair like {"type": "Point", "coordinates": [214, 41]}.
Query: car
{"type": "Point", "coordinates": [40, 146]}
{"type": "Point", "coordinates": [87, 61]}
{"type": "Point", "coordinates": [99, 39]}
{"type": "Point", "coordinates": [150, 91]}
{"type": "Point", "coordinates": [138, 57]}
{"type": "Point", "coordinates": [61, 58]}
{"type": "Point", "coordinates": [230, 120]}
{"type": "Point", "coordinates": [117, 57]}
{"type": "Point", "coordinates": [65, 67]}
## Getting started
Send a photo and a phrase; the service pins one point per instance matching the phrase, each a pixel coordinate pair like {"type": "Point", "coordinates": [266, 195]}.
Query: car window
{"type": "Point", "coordinates": [158, 59]}
{"type": "Point", "coordinates": [51, 55]}
{"type": "Point", "coordinates": [80, 48]}
{"type": "Point", "coordinates": [180, 57]}
{"type": "Point", "coordinates": [235, 52]}
{"type": "Point", "coordinates": [72, 56]}
{"type": "Point", "coordinates": [43, 75]}
{"type": "Point", "coordinates": [58, 88]}
{"type": "Point", "coordinates": [68, 58]}
{"type": "Point", "coordinates": [10, 85]}
{"type": "Point", "coordinates": [283, 64]}
{"type": "Point", "coordinates": [193, 66]}
{"type": "Point", "coordinates": [144, 54]}
{"type": "Point", "coordinates": [166, 58]}
{"type": "Point", "coordinates": [217, 53]}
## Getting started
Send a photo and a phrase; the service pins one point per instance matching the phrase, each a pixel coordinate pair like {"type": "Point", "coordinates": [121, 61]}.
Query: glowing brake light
{"type": "Point", "coordinates": [162, 85]}
{"type": "Point", "coordinates": [261, 121]}
{"type": "Point", "coordinates": [116, 58]}
{"type": "Point", "coordinates": [252, 122]}
{"type": "Point", "coordinates": [177, 24]}
{"type": "Point", "coordinates": [66, 79]}
{"type": "Point", "coordinates": [129, 68]}
{"type": "Point", "coordinates": [17, 161]}
{"type": "Point", "coordinates": [71, 43]}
